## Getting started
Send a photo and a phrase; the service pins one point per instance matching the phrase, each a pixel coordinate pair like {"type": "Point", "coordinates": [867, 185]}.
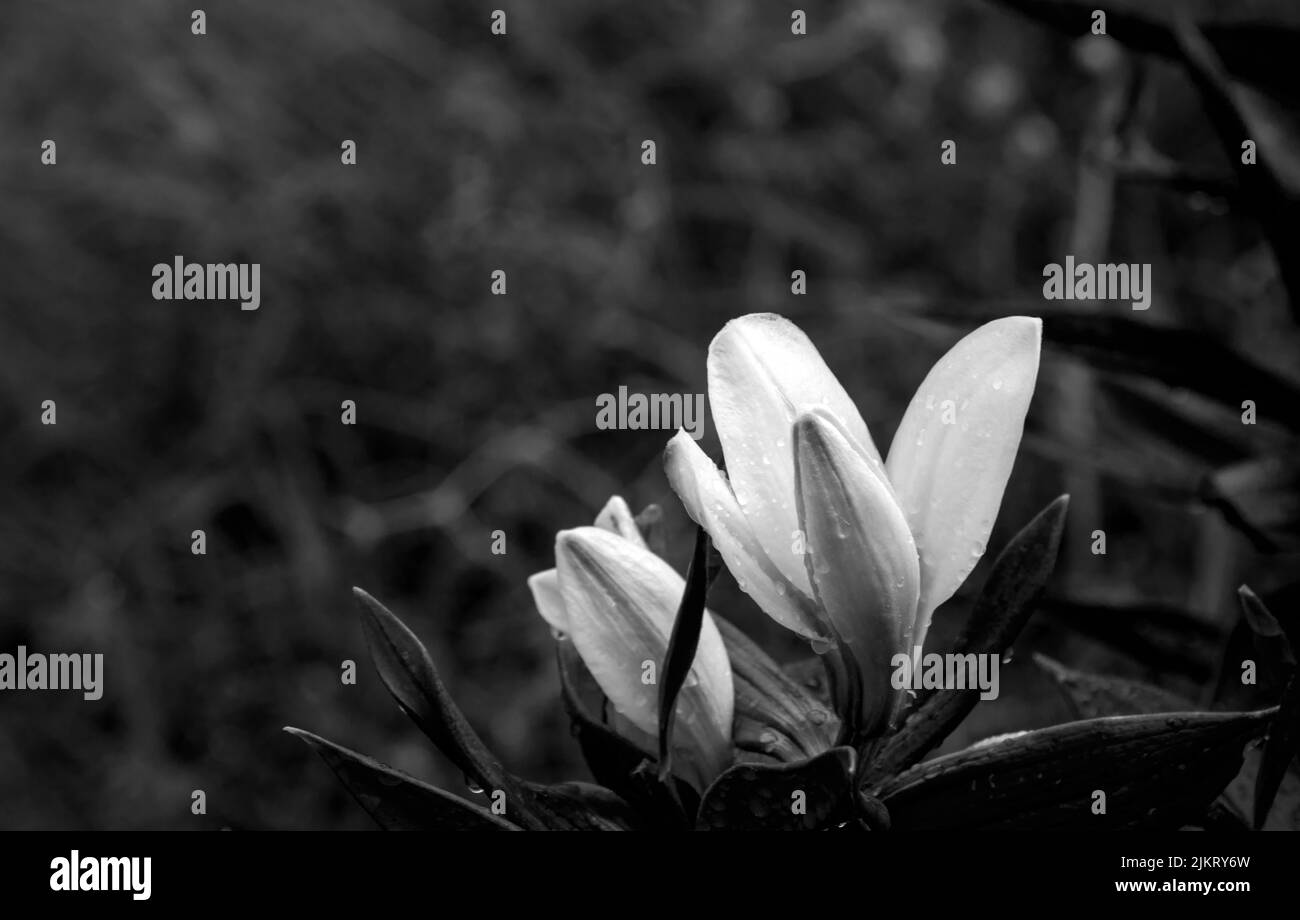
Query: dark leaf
{"type": "Point", "coordinates": [775, 715]}
{"type": "Point", "coordinates": [1240, 794]}
{"type": "Point", "coordinates": [396, 801]}
{"type": "Point", "coordinates": [1261, 497]}
{"type": "Point", "coordinates": [1282, 744]}
{"type": "Point", "coordinates": [407, 671]}
{"type": "Point", "coordinates": [1010, 596]}
{"type": "Point", "coordinates": [810, 674]}
{"type": "Point", "coordinates": [614, 761]}
{"type": "Point", "coordinates": [1271, 641]}
{"type": "Point", "coordinates": [585, 806]}
{"type": "Point", "coordinates": [770, 796]}
{"type": "Point", "coordinates": [1155, 770]}
{"type": "Point", "coordinates": [1093, 696]}
{"type": "Point", "coordinates": [682, 645]}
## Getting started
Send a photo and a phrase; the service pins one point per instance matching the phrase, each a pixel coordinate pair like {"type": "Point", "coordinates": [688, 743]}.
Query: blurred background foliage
{"type": "Point", "coordinates": [476, 413]}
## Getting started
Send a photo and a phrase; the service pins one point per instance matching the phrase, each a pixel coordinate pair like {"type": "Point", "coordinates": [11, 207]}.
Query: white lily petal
{"type": "Point", "coordinates": [952, 455]}
{"type": "Point", "coordinates": [621, 602]}
{"type": "Point", "coordinates": [710, 503]}
{"type": "Point", "coordinates": [617, 517]}
{"type": "Point", "coordinates": [763, 372]}
{"type": "Point", "coordinates": [546, 596]}
{"type": "Point", "coordinates": [862, 560]}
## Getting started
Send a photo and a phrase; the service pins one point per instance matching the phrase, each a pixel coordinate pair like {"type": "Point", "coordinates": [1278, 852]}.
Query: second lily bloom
{"type": "Point", "coordinates": [827, 538]}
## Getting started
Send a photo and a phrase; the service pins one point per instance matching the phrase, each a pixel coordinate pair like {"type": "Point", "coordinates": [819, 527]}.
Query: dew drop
{"type": "Point", "coordinates": [1008, 656]}
{"type": "Point", "coordinates": [818, 716]}
{"type": "Point", "coordinates": [473, 787]}
{"type": "Point", "coordinates": [997, 384]}
{"type": "Point", "coordinates": [780, 588]}
{"type": "Point", "coordinates": [821, 646]}
{"type": "Point", "coordinates": [558, 634]}
{"type": "Point", "coordinates": [768, 739]}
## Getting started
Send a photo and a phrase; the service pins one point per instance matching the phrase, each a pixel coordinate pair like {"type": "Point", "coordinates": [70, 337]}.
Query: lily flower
{"type": "Point", "coordinates": [827, 538]}
{"type": "Point", "coordinates": [616, 601]}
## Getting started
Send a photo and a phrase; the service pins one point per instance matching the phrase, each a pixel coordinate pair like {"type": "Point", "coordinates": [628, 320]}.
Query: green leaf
{"type": "Point", "coordinates": [1155, 771]}
{"type": "Point", "coordinates": [1093, 696]}
{"type": "Point", "coordinates": [682, 645]}
{"type": "Point", "coordinates": [396, 801]}
{"type": "Point", "coordinates": [770, 796]}
{"type": "Point", "coordinates": [776, 716]}
{"type": "Point", "coordinates": [1282, 744]}
{"type": "Point", "coordinates": [1009, 598]}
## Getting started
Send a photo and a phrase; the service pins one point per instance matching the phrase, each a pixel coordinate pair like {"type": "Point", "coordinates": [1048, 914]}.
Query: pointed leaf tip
{"type": "Point", "coordinates": [408, 672]}
{"type": "Point", "coordinates": [397, 801]}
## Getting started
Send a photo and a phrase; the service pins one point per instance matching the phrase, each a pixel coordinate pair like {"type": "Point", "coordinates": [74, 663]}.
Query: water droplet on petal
{"type": "Point", "coordinates": [558, 634]}
{"type": "Point", "coordinates": [818, 717]}
{"type": "Point", "coordinates": [997, 384]}
{"type": "Point", "coordinates": [821, 646]}
{"type": "Point", "coordinates": [473, 787]}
